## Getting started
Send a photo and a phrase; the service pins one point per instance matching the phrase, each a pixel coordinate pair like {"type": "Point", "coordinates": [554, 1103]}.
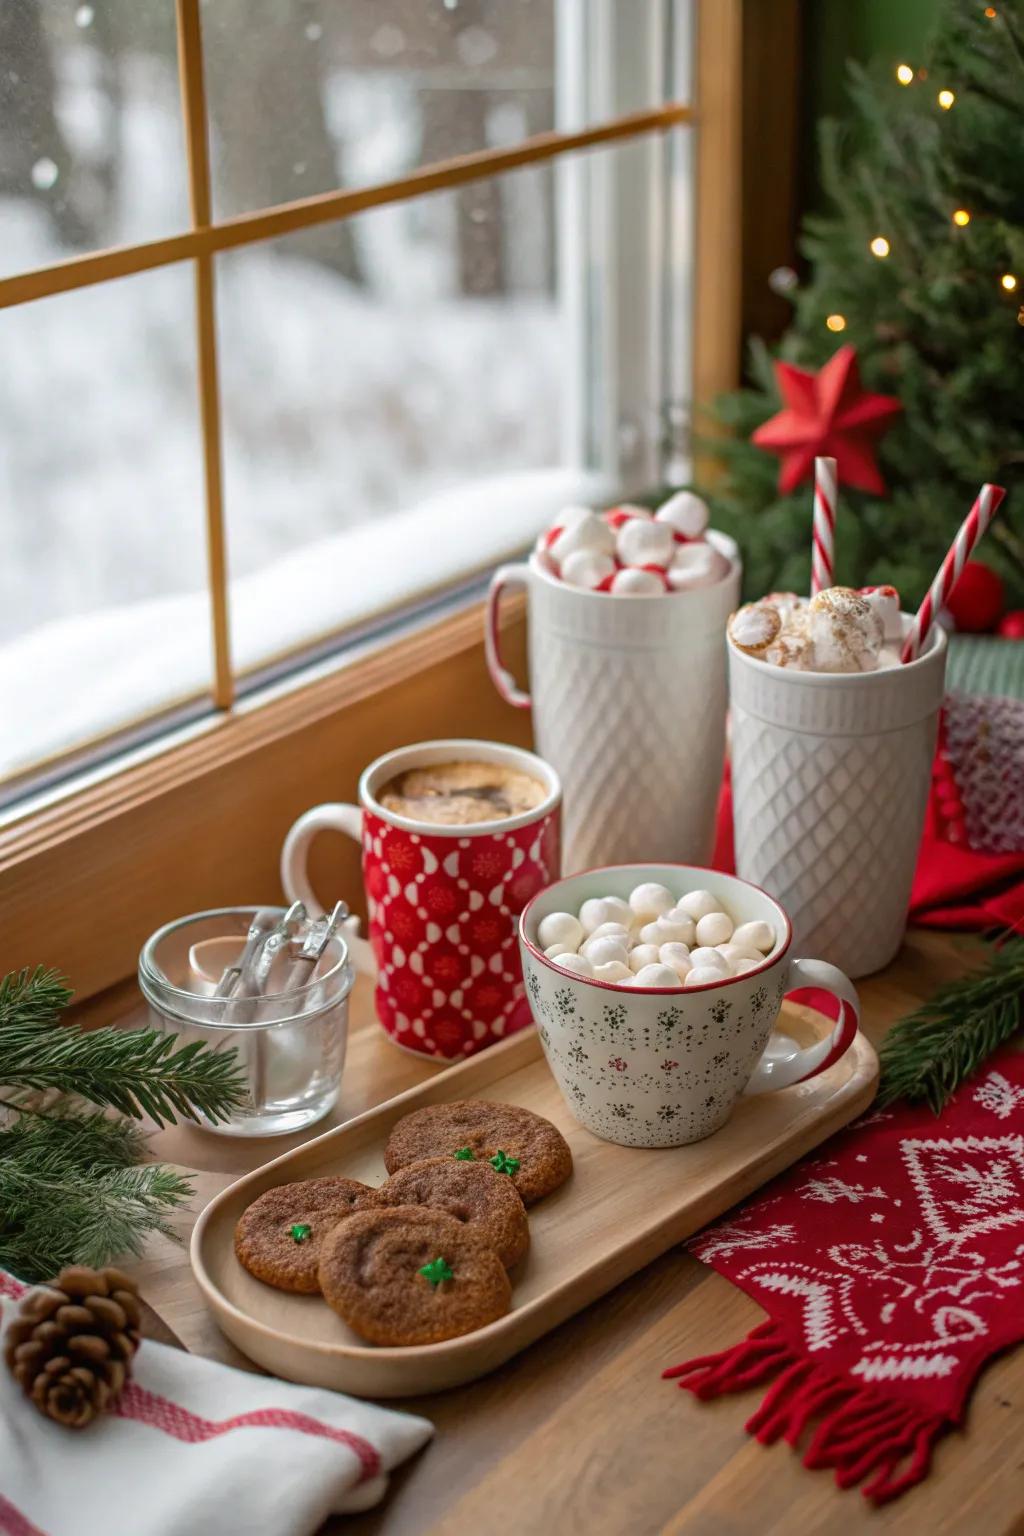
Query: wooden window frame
{"type": "Point", "coordinates": [199, 823]}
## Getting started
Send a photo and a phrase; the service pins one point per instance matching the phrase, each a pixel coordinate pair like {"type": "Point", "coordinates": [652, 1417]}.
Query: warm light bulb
{"type": "Point", "coordinates": [990, 12]}
{"type": "Point", "coordinates": [961, 218]}
{"type": "Point", "coordinates": [879, 246]}
{"type": "Point", "coordinates": [836, 322]}
{"type": "Point", "coordinates": [1008, 281]}
{"type": "Point", "coordinates": [946, 100]}
{"type": "Point", "coordinates": [904, 74]}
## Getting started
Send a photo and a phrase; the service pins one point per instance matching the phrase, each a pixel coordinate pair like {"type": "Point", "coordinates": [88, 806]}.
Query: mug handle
{"type": "Point", "coordinates": [784, 1062]}
{"type": "Point", "coordinates": [504, 576]}
{"type": "Point", "coordinates": [295, 876]}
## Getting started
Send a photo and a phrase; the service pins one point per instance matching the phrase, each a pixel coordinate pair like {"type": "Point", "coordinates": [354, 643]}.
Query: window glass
{"type": "Point", "coordinates": [309, 95]}
{"type": "Point", "coordinates": [91, 146]}
{"type": "Point", "coordinates": [399, 424]}
{"type": "Point", "coordinates": [103, 605]}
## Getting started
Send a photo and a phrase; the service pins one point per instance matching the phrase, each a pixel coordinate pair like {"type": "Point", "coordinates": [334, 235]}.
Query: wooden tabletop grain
{"type": "Point", "coordinates": [579, 1433]}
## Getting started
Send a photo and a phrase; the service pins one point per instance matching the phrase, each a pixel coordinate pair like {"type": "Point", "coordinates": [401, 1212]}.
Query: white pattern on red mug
{"type": "Point", "coordinates": [443, 900]}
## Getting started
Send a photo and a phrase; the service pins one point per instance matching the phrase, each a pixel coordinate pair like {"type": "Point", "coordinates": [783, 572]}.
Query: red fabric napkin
{"type": "Point", "coordinates": [891, 1272]}
{"type": "Point", "coordinates": [967, 876]}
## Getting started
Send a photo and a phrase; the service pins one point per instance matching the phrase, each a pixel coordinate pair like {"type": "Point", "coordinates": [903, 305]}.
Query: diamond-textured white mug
{"type": "Point", "coordinates": [628, 696]}
{"type": "Point", "coordinates": [660, 1067]}
{"type": "Point", "coordinates": [830, 781]}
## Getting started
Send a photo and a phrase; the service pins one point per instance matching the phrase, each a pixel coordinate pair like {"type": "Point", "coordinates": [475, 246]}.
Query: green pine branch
{"type": "Point", "coordinates": [74, 1184]}
{"type": "Point", "coordinates": [927, 1055]}
{"type": "Point", "coordinates": [71, 1193]}
{"type": "Point", "coordinates": [136, 1072]}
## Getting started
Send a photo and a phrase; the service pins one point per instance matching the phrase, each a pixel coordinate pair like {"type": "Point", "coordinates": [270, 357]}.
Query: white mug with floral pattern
{"type": "Point", "coordinates": [660, 1067]}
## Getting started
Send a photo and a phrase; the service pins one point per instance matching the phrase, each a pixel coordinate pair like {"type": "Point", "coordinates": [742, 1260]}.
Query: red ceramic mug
{"type": "Point", "coordinates": [444, 902]}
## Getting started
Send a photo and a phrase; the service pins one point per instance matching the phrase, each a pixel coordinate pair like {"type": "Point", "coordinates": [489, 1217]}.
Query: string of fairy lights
{"type": "Point", "coordinates": [879, 245]}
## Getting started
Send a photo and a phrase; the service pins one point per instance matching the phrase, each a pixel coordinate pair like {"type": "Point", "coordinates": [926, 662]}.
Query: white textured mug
{"type": "Point", "coordinates": [830, 781]}
{"type": "Point", "coordinates": [628, 696]}
{"type": "Point", "coordinates": [660, 1067]}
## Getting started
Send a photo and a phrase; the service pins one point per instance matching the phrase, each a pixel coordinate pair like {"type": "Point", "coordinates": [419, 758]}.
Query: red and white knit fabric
{"type": "Point", "coordinates": [195, 1446]}
{"type": "Point", "coordinates": [891, 1271]}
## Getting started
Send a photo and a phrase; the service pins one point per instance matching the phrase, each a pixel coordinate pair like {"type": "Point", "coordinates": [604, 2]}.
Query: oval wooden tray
{"type": "Point", "coordinates": [622, 1207]}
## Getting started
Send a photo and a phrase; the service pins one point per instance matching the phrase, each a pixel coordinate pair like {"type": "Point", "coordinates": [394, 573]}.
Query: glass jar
{"type": "Point", "coordinates": [290, 1044]}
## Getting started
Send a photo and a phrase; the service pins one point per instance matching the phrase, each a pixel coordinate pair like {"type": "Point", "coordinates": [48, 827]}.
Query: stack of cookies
{"type": "Point", "coordinates": [425, 1256]}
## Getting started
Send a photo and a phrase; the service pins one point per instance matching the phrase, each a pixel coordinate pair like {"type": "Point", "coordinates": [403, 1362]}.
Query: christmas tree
{"type": "Point", "coordinates": [919, 265]}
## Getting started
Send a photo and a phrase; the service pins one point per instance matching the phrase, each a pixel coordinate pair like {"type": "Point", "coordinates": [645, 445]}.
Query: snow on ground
{"type": "Point", "coordinates": [373, 442]}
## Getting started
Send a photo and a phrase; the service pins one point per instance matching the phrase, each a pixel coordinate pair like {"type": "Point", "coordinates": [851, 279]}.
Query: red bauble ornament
{"type": "Point", "coordinates": [827, 413]}
{"type": "Point", "coordinates": [976, 602]}
{"type": "Point", "coordinates": [1011, 625]}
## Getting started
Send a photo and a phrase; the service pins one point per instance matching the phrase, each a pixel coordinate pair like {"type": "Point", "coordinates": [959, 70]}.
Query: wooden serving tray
{"type": "Point", "coordinates": [622, 1207]}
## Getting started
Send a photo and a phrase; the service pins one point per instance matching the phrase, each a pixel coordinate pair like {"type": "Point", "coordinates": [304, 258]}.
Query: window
{"type": "Point", "coordinates": [430, 265]}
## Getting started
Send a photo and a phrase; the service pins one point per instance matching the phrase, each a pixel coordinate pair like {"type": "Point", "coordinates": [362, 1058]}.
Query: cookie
{"type": "Point", "coordinates": [480, 1198]}
{"type": "Point", "coordinates": [410, 1275]}
{"type": "Point", "coordinates": [279, 1236]}
{"type": "Point", "coordinates": [515, 1141]}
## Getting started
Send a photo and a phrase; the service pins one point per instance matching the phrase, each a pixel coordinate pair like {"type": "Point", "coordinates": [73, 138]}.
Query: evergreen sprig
{"type": "Point", "coordinates": [136, 1072]}
{"type": "Point", "coordinates": [74, 1186]}
{"type": "Point", "coordinates": [931, 1052]}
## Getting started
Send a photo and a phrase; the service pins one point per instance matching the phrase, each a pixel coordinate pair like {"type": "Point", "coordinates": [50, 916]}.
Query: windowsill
{"type": "Point", "coordinates": [140, 657]}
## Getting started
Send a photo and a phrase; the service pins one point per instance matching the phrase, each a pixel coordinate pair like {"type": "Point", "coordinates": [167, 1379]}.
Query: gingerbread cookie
{"type": "Point", "coordinates": [474, 1193]}
{"type": "Point", "coordinates": [279, 1236]}
{"type": "Point", "coordinates": [514, 1141]}
{"type": "Point", "coordinates": [410, 1275]}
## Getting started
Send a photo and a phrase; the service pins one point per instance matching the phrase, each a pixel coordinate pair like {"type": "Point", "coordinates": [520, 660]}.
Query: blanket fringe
{"type": "Point", "coordinates": [858, 1430]}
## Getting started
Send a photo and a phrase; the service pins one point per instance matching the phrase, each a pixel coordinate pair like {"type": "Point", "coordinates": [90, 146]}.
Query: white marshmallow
{"type": "Point", "coordinates": [577, 963]}
{"type": "Point", "coordinates": [682, 921]}
{"type": "Point", "coordinates": [604, 909]}
{"type": "Point", "coordinates": [554, 950]}
{"type": "Point", "coordinates": [704, 957]}
{"type": "Point", "coordinates": [633, 582]}
{"type": "Point", "coordinates": [604, 950]}
{"type": "Point", "coordinates": [630, 509]}
{"type": "Point", "coordinates": [714, 928]}
{"type": "Point", "coordinates": [695, 565]}
{"type": "Point", "coordinates": [702, 976]}
{"type": "Point", "coordinates": [657, 976]}
{"type": "Point", "coordinates": [613, 972]}
{"type": "Point", "coordinates": [675, 933]}
{"type": "Point", "coordinates": [571, 515]}
{"type": "Point", "coordinates": [698, 904]}
{"type": "Point", "coordinates": [757, 937]}
{"type": "Point", "coordinates": [677, 956]}
{"type": "Point", "coordinates": [642, 543]}
{"type": "Point", "coordinates": [885, 602]}
{"type": "Point", "coordinates": [590, 532]}
{"type": "Point", "coordinates": [587, 568]}
{"type": "Point", "coordinates": [741, 960]}
{"type": "Point", "coordinates": [651, 900]}
{"type": "Point", "coordinates": [560, 927]}
{"type": "Point", "coordinates": [641, 955]}
{"type": "Point", "coordinates": [612, 930]}
{"type": "Point", "coordinates": [685, 513]}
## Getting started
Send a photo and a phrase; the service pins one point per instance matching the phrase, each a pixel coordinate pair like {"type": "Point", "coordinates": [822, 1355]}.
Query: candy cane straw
{"type": "Point", "coordinates": [971, 529]}
{"type": "Point", "coordinates": [822, 547]}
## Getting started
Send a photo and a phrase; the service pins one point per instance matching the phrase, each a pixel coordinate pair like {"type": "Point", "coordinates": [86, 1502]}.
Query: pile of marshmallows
{"type": "Point", "coordinates": [654, 939]}
{"type": "Point", "coordinates": [837, 630]}
{"type": "Point", "coordinates": [631, 552]}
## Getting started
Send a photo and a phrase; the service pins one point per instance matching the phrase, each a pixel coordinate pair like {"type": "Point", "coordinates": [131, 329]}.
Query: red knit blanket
{"type": "Point", "coordinates": [890, 1269]}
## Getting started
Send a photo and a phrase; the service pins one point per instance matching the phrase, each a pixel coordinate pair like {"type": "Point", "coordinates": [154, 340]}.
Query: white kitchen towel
{"type": "Point", "coordinates": [194, 1446]}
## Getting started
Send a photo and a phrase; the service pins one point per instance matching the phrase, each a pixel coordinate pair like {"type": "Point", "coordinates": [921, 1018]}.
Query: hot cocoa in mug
{"type": "Point", "coordinates": [457, 836]}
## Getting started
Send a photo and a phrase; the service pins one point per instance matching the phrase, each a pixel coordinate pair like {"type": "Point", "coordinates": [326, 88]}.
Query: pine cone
{"type": "Point", "coordinates": [72, 1343]}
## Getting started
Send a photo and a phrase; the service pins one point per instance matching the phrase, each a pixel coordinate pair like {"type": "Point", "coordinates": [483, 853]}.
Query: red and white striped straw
{"type": "Point", "coordinates": [971, 529]}
{"type": "Point", "coordinates": [823, 545]}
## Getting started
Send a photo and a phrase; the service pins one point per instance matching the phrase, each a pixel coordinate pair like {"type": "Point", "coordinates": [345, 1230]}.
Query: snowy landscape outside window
{"type": "Point", "coordinates": [404, 393]}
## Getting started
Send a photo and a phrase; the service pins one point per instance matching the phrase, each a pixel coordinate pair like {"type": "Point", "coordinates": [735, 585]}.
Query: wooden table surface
{"type": "Point", "coordinates": [578, 1433]}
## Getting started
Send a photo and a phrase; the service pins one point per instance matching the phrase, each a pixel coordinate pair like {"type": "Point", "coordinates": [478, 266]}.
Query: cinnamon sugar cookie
{"type": "Point", "coordinates": [279, 1236]}
{"type": "Point", "coordinates": [514, 1141]}
{"type": "Point", "coordinates": [410, 1275]}
{"type": "Point", "coordinates": [474, 1193]}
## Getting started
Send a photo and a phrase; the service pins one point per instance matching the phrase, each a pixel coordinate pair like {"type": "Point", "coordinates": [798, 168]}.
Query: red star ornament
{"type": "Point", "coordinates": [827, 413]}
